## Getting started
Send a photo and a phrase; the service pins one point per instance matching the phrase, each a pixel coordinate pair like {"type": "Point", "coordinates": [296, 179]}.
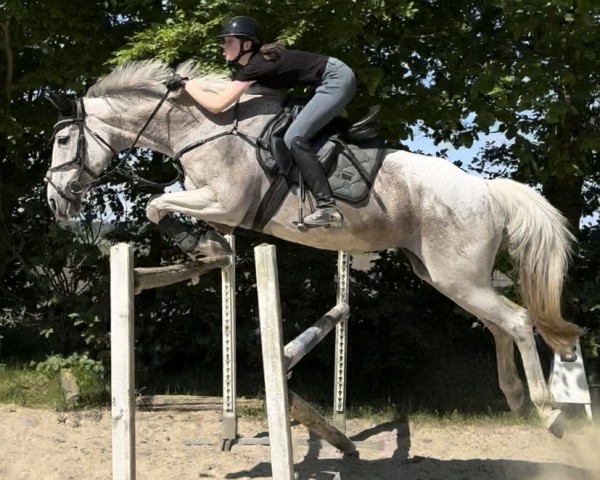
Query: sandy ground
{"type": "Point", "coordinates": [42, 444]}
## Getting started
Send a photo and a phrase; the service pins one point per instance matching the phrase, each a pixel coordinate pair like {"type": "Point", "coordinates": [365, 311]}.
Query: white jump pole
{"type": "Point", "coordinates": [341, 342]}
{"type": "Point", "coordinates": [122, 377]}
{"type": "Point", "coordinates": [230, 425]}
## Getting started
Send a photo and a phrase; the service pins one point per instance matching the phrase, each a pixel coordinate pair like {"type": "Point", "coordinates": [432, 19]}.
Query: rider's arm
{"type": "Point", "coordinates": [217, 102]}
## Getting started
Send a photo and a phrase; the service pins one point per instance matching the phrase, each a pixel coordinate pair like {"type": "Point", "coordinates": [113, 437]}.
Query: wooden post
{"type": "Point", "coordinates": [127, 281]}
{"type": "Point", "coordinates": [122, 362]}
{"type": "Point", "coordinates": [341, 342]}
{"type": "Point", "coordinates": [282, 461]}
{"type": "Point", "coordinates": [276, 365]}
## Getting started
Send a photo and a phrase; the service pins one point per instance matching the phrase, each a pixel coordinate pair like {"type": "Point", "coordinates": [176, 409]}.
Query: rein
{"type": "Point", "coordinates": [77, 186]}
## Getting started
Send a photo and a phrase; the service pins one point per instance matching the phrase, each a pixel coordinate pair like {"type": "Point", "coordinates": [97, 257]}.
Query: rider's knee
{"type": "Point", "coordinates": [299, 144]}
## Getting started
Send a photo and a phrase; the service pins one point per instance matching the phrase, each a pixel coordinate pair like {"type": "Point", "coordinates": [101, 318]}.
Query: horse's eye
{"type": "Point", "coordinates": [63, 140]}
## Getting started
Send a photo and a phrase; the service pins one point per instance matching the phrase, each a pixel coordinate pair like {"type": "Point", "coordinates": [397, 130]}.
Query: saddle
{"type": "Point", "coordinates": [350, 153]}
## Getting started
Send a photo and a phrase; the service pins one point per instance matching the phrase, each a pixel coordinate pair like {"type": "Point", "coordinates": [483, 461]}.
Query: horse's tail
{"type": "Point", "coordinates": [540, 244]}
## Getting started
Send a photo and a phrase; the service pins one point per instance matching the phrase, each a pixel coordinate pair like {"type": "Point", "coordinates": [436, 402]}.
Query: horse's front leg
{"type": "Point", "coordinates": [202, 204]}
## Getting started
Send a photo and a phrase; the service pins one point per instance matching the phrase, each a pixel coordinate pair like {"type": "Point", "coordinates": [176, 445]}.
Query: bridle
{"type": "Point", "coordinates": [77, 186]}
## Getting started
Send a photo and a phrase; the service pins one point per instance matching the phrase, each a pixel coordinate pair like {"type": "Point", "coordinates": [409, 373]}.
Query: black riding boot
{"type": "Point", "coordinates": [306, 159]}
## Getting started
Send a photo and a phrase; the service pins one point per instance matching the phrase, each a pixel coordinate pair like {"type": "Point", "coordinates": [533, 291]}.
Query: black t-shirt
{"type": "Point", "coordinates": [293, 68]}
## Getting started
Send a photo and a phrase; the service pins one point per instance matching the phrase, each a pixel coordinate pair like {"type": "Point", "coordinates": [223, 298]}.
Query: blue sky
{"type": "Point", "coordinates": [425, 144]}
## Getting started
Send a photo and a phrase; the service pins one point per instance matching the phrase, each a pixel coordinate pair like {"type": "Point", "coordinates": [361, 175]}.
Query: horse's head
{"type": "Point", "coordinates": [124, 111]}
{"type": "Point", "coordinates": [76, 162]}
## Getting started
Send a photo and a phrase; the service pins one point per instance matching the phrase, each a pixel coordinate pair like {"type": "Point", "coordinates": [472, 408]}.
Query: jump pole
{"type": "Point", "coordinates": [278, 360]}
{"type": "Point", "coordinates": [126, 282]}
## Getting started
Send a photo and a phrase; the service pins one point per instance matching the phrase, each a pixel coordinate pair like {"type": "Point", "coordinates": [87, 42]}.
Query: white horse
{"type": "Point", "coordinates": [449, 223]}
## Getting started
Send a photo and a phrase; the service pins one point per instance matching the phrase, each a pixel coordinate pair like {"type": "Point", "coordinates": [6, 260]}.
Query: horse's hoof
{"type": "Point", "coordinates": [557, 424]}
{"type": "Point", "coordinates": [210, 245]}
{"type": "Point", "coordinates": [300, 226]}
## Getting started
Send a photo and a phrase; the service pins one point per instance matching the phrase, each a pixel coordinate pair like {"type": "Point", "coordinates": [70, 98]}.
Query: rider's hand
{"type": "Point", "coordinates": [176, 82]}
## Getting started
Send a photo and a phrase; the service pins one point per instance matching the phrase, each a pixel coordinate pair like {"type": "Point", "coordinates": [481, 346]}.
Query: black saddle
{"type": "Point", "coordinates": [275, 158]}
{"type": "Point", "coordinates": [350, 153]}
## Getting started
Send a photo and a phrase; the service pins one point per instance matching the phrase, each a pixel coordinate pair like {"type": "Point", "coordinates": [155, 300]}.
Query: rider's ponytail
{"type": "Point", "coordinates": [272, 51]}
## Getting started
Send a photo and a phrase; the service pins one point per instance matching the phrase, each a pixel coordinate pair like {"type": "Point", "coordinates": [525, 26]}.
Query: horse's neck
{"type": "Point", "coordinates": [169, 130]}
{"type": "Point", "coordinates": [175, 125]}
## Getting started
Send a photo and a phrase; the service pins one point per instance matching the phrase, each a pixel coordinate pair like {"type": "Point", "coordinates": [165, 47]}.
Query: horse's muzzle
{"type": "Point", "coordinates": [63, 209]}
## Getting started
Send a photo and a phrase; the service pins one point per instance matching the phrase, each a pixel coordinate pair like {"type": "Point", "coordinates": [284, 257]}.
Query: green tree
{"type": "Point", "coordinates": [44, 44]}
{"type": "Point", "coordinates": [456, 70]}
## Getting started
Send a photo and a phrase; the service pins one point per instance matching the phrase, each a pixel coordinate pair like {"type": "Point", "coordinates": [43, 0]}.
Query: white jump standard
{"type": "Point", "coordinates": [277, 362]}
{"type": "Point", "coordinates": [127, 281]}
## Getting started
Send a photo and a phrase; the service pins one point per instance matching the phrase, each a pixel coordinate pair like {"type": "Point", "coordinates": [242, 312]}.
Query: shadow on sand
{"type": "Point", "coordinates": [399, 465]}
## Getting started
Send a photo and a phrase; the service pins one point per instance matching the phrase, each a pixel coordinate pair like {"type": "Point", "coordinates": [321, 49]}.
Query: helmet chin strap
{"type": "Point", "coordinates": [240, 54]}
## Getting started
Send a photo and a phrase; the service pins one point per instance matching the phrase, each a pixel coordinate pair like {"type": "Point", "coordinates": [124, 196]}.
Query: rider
{"type": "Point", "coordinates": [273, 66]}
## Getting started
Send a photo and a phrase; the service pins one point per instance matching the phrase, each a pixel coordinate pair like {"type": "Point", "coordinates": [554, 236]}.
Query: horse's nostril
{"type": "Point", "coordinates": [52, 203]}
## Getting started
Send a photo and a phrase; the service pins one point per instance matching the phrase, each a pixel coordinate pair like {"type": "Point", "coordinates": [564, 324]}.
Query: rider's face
{"type": "Point", "coordinates": [231, 47]}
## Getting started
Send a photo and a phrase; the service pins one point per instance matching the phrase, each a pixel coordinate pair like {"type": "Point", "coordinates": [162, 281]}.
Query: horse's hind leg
{"type": "Point", "coordinates": [467, 281]}
{"type": "Point", "coordinates": [485, 303]}
{"type": "Point", "coordinates": [508, 375]}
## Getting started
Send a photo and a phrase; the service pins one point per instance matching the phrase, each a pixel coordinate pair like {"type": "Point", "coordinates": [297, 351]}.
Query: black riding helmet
{"type": "Point", "coordinates": [245, 28]}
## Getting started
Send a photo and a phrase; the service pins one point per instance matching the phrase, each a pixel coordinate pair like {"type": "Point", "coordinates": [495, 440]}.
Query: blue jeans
{"type": "Point", "coordinates": [337, 88]}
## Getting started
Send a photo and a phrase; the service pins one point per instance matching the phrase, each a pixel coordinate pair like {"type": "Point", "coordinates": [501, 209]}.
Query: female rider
{"type": "Point", "coordinates": [275, 67]}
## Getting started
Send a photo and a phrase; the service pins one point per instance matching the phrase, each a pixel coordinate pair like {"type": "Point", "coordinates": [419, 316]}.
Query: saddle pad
{"type": "Point", "coordinates": [356, 169]}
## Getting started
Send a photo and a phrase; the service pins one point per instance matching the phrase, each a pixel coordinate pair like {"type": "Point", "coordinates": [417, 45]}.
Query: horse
{"type": "Point", "coordinates": [449, 223]}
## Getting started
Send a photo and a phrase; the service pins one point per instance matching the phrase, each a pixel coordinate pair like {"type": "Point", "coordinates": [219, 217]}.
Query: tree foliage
{"type": "Point", "coordinates": [455, 71]}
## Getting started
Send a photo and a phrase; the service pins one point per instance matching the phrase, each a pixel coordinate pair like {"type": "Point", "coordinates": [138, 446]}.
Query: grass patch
{"type": "Point", "coordinates": [39, 385]}
{"type": "Point", "coordinates": [460, 418]}
{"type": "Point", "coordinates": [378, 414]}
{"type": "Point", "coordinates": [28, 388]}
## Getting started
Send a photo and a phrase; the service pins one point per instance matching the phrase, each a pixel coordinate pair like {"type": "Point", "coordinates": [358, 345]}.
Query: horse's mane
{"type": "Point", "coordinates": [146, 78]}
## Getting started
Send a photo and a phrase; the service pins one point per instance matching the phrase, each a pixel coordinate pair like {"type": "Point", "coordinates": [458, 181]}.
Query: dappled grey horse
{"type": "Point", "coordinates": [449, 223]}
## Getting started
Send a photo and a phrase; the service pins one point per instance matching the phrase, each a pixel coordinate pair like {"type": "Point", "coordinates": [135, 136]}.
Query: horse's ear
{"type": "Point", "coordinates": [66, 106]}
